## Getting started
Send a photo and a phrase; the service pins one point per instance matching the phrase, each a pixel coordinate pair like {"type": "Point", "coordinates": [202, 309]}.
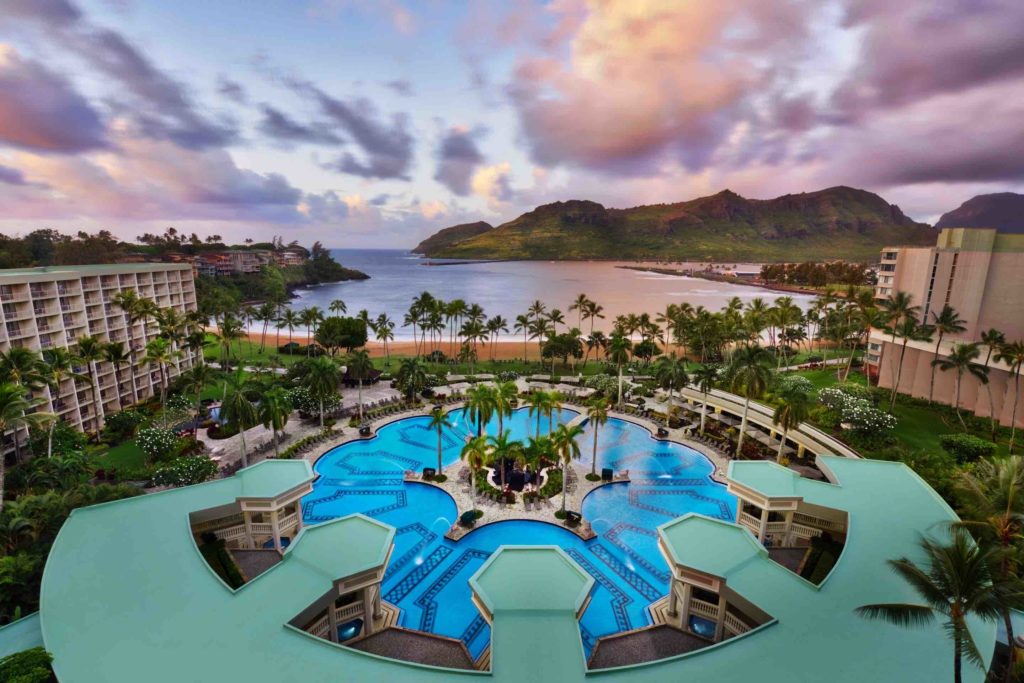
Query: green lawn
{"type": "Point", "coordinates": [827, 377]}
{"type": "Point", "coordinates": [125, 456]}
{"type": "Point", "coordinates": [248, 351]}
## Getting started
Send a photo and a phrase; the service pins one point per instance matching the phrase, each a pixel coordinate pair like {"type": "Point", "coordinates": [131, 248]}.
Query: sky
{"type": "Point", "coordinates": [373, 123]}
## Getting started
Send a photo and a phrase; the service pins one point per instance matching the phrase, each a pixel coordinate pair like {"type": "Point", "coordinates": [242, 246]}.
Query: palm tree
{"type": "Point", "coordinates": [993, 339]}
{"type": "Point", "coordinates": [58, 362]}
{"type": "Point", "coordinates": [90, 351]}
{"type": "Point", "coordinates": [1012, 353]}
{"type": "Point", "coordinates": [705, 377]}
{"type": "Point", "coordinates": [158, 352]}
{"type": "Point", "coordinates": [411, 377]}
{"type": "Point", "coordinates": [910, 330]}
{"type": "Point", "coordinates": [749, 374]}
{"type": "Point", "coordinates": [955, 583]}
{"type": "Point", "coordinates": [116, 354]}
{"type": "Point", "coordinates": [593, 312]}
{"type": "Point", "coordinates": [619, 347]}
{"type": "Point", "coordinates": [537, 401]}
{"type": "Point", "coordinates": [229, 330]}
{"type": "Point", "coordinates": [265, 314]}
{"type": "Point", "coordinates": [338, 306]}
{"type": "Point", "coordinates": [134, 309]}
{"type": "Point", "coordinates": [359, 368]}
{"type": "Point", "coordinates": [501, 449]}
{"type": "Point", "coordinates": [551, 406]}
{"type": "Point", "coordinates": [898, 307]}
{"type": "Point", "coordinates": [290, 320]}
{"type": "Point", "coordinates": [384, 328]}
{"type": "Point", "coordinates": [992, 495]}
{"type": "Point", "coordinates": [504, 395]}
{"type": "Point", "coordinates": [579, 304]}
{"type": "Point", "coordinates": [196, 378]}
{"type": "Point", "coordinates": [670, 373]}
{"type": "Point", "coordinates": [495, 326]}
{"type": "Point", "coordinates": [273, 412]}
{"type": "Point", "coordinates": [962, 359]}
{"type": "Point", "coordinates": [439, 422]}
{"type": "Point", "coordinates": [564, 442]}
{"type": "Point", "coordinates": [794, 407]}
{"type": "Point", "coordinates": [597, 415]}
{"type": "Point", "coordinates": [15, 415]}
{"type": "Point", "coordinates": [237, 411]}
{"type": "Point", "coordinates": [479, 406]}
{"type": "Point", "coordinates": [475, 453]}
{"type": "Point", "coordinates": [322, 377]}
{"type": "Point", "coordinates": [522, 324]}
{"type": "Point", "coordinates": [947, 321]}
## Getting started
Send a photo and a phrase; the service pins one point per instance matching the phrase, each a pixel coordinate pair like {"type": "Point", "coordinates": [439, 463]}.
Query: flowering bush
{"type": "Point", "coordinates": [308, 406]}
{"type": "Point", "coordinates": [157, 443]}
{"type": "Point", "coordinates": [859, 413]}
{"type": "Point", "coordinates": [795, 383]}
{"type": "Point", "coordinates": [121, 425]}
{"type": "Point", "coordinates": [603, 384]}
{"type": "Point", "coordinates": [178, 402]}
{"type": "Point", "coordinates": [185, 471]}
{"type": "Point", "coordinates": [508, 376]}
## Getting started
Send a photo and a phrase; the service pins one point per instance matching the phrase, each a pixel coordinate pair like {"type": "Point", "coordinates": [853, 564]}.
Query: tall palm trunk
{"type": "Point", "coordinates": [277, 446]}
{"type": "Point", "coordinates": [899, 372]}
{"type": "Point", "coordinates": [703, 412]}
{"type": "Point", "coordinates": [359, 397]}
{"type": "Point", "coordinates": [439, 447]}
{"type": "Point", "coordinates": [565, 479]}
{"type": "Point", "coordinates": [245, 458]}
{"type": "Point", "coordinates": [321, 414]}
{"type": "Point", "coordinates": [620, 388]}
{"type": "Point", "coordinates": [931, 382]}
{"type": "Point", "coordinates": [782, 444]}
{"type": "Point", "coordinates": [1013, 415]}
{"type": "Point", "coordinates": [593, 459]}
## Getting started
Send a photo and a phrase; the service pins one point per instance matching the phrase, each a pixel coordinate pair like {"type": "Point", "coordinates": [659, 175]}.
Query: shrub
{"type": "Point", "coordinates": [606, 385]}
{"type": "Point", "coordinates": [66, 439]}
{"type": "Point", "coordinates": [966, 447]}
{"type": "Point", "coordinates": [507, 376]}
{"type": "Point", "coordinates": [186, 471]}
{"type": "Point", "coordinates": [179, 403]}
{"type": "Point", "coordinates": [795, 383]}
{"type": "Point", "coordinates": [856, 390]}
{"type": "Point", "coordinates": [859, 413]}
{"type": "Point", "coordinates": [308, 406]}
{"type": "Point", "coordinates": [553, 486]}
{"type": "Point", "coordinates": [121, 426]}
{"type": "Point", "coordinates": [468, 518]}
{"type": "Point", "coordinates": [157, 443]}
{"type": "Point", "coordinates": [814, 358]}
{"type": "Point", "coordinates": [28, 666]}
{"type": "Point", "coordinates": [217, 556]}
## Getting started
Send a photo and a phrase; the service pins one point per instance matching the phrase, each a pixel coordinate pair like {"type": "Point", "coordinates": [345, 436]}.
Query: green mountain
{"type": "Point", "coordinates": [1003, 211]}
{"type": "Point", "coordinates": [449, 237]}
{"type": "Point", "coordinates": [839, 222]}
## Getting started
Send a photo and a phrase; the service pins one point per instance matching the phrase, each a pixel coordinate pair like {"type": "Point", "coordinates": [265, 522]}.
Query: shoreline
{"type": "Point", "coordinates": [712, 277]}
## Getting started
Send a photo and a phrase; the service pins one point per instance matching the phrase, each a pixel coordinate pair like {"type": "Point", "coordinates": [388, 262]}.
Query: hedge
{"type": "Point", "coordinates": [966, 447]}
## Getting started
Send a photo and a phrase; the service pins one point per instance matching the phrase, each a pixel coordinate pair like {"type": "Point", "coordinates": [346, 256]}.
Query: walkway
{"type": "Point", "coordinates": [416, 646]}
{"type": "Point", "coordinates": [644, 645]}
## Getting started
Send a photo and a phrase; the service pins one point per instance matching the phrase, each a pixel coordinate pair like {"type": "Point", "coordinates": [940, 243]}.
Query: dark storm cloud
{"type": "Point", "coordinates": [11, 176]}
{"type": "Point", "coordinates": [233, 90]}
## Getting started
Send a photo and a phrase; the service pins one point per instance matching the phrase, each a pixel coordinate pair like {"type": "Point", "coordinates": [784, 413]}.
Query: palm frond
{"type": "Point", "coordinates": [906, 615]}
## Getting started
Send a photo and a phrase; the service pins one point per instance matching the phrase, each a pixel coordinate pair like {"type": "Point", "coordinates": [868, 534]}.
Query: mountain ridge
{"type": "Point", "coordinates": [1003, 211]}
{"type": "Point", "coordinates": [836, 222]}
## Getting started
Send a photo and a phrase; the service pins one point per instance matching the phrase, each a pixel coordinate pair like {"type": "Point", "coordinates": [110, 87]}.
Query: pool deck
{"type": "Point", "coordinates": [415, 646]}
{"type": "Point", "coordinates": [643, 645]}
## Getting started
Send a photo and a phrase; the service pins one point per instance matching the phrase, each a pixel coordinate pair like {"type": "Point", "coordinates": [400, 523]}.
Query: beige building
{"type": "Point", "coordinates": [41, 308]}
{"type": "Point", "coordinates": [980, 273]}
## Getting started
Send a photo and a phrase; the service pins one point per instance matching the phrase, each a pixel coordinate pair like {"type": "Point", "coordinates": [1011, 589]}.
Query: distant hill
{"type": "Point", "coordinates": [839, 222]}
{"type": "Point", "coordinates": [1003, 211]}
{"type": "Point", "coordinates": [449, 237]}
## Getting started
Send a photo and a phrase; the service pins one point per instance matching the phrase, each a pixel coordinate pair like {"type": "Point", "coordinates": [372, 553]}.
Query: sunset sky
{"type": "Point", "coordinates": [375, 122]}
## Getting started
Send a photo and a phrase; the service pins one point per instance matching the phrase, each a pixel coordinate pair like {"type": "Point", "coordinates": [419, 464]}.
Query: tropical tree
{"type": "Point", "coordinates": [992, 496]}
{"type": "Point", "coordinates": [705, 376]}
{"type": "Point", "coordinates": [439, 422]}
{"type": "Point", "coordinates": [955, 583]}
{"type": "Point", "coordinates": [898, 307]}
{"type": "Point", "coordinates": [59, 366]}
{"type": "Point", "coordinates": [338, 307]}
{"type": "Point", "coordinates": [196, 378]}
{"type": "Point", "coordinates": [597, 415]}
{"type": "Point", "coordinates": [503, 447]}
{"type": "Point", "coordinates": [910, 330]}
{"type": "Point", "coordinates": [15, 415]}
{"type": "Point", "coordinates": [117, 355]}
{"type": "Point", "coordinates": [359, 368]}
{"type": "Point", "coordinates": [290, 320]}
{"type": "Point", "coordinates": [159, 353]}
{"type": "Point", "coordinates": [411, 377]}
{"type": "Point", "coordinates": [480, 406]}
{"type": "Point", "coordinates": [537, 401]}
{"type": "Point", "coordinates": [134, 308]}
{"type": "Point", "coordinates": [670, 374]}
{"type": "Point", "coordinates": [266, 314]}
{"type": "Point", "coordinates": [229, 331]}
{"type": "Point", "coordinates": [794, 407]}
{"type": "Point", "coordinates": [993, 340]}
{"type": "Point", "coordinates": [962, 360]}
{"type": "Point", "coordinates": [89, 350]}
{"type": "Point", "coordinates": [273, 412]}
{"type": "Point", "coordinates": [322, 378]}
{"type": "Point", "coordinates": [749, 374]}
{"type": "Point", "coordinates": [551, 406]}
{"type": "Point", "coordinates": [1012, 353]}
{"type": "Point", "coordinates": [947, 321]}
{"type": "Point", "coordinates": [384, 328]}
{"type": "Point", "coordinates": [619, 347]}
{"type": "Point", "coordinates": [564, 442]}
{"type": "Point", "coordinates": [475, 453]}
{"type": "Point", "coordinates": [237, 411]}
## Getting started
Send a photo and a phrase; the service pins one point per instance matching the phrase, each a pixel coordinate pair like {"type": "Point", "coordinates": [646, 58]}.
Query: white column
{"type": "Point", "coordinates": [378, 611]}
{"type": "Point", "coordinates": [247, 518]}
{"type": "Point", "coordinates": [684, 613]}
{"type": "Point", "coordinates": [787, 539]}
{"type": "Point", "coordinates": [764, 525]}
{"type": "Point", "coordinates": [673, 599]}
{"type": "Point", "coordinates": [332, 620]}
{"type": "Point", "coordinates": [367, 611]}
{"type": "Point", "coordinates": [298, 517]}
{"type": "Point", "coordinates": [720, 624]}
{"type": "Point", "coordinates": [275, 528]}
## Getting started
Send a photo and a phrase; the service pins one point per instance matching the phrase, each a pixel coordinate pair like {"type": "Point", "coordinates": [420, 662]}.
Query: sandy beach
{"type": "Point", "coordinates": [502, 350]}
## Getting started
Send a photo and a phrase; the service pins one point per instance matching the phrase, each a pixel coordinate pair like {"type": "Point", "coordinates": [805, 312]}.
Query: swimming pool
{"type": "Point", "coordinates": [428, 574]}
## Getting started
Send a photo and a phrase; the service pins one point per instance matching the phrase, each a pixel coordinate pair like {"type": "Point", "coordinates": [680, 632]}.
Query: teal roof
{"type": "Point", "coordinates": [766, 478]}
{"type": "Point", "coordinates": [713, 546]}
{"type": "Point", "coordinates": [271, 477]}
{"type": "Point", "coordinates": [126, 595]}
{"type": "Point", "coordinates": [531, 578]}
{"type": "Point", "coordinates": [19, 635]}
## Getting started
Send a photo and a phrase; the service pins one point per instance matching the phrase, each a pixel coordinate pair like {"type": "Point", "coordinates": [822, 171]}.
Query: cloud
{"type": "Point", "coordinates": [402, 86]}
{"type": "Point", "coordinates": [386, 147]}
{"type": "Point", "coordinates": [458, 158]}
{"type": "Point", "coordinates": [159, 105]}
{"type": "Point", "coordinates": [233, 90]}
{"type": "Point", "coordinates": [39, 109]}
{"type": "Point", "coordinates": [280, 127]}
{"type": "Point", "coordinates": [494, 184]}
{"type": "Point", "coordinates": [11, 176]}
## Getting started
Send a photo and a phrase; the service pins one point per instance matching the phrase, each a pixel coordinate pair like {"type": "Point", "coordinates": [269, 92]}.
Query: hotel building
{"type": "Point", "coordinates": [980, 273]}
{"type": "Point", "coordinates": [43, 308]}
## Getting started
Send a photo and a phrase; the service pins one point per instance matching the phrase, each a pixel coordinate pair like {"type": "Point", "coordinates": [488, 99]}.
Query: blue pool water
{"type": "Point", "coordinates": [428, 575]}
